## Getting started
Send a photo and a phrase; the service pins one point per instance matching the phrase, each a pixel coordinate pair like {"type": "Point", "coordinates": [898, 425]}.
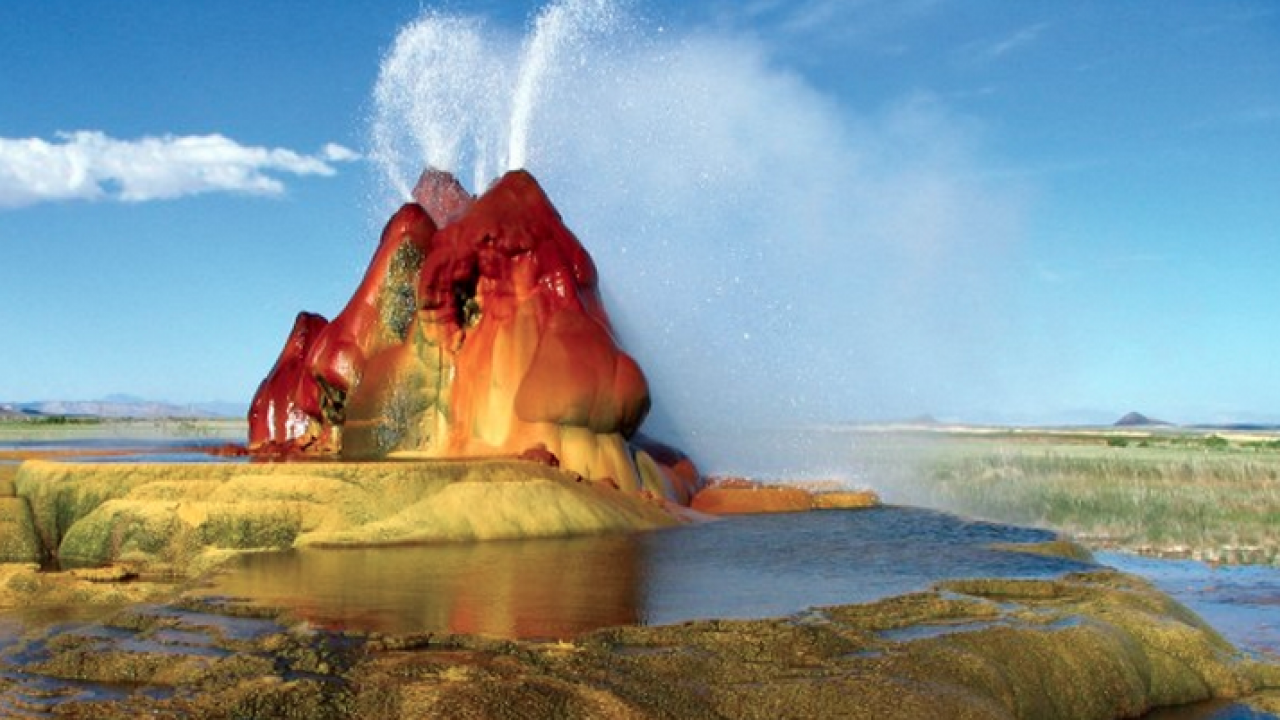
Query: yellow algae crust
{"type": "Point", "coordinates": [25, 584]}
{"type": "Point", "coordinates": [180, 518]}
{"type": "Point", "coordinates": [1090, 645]}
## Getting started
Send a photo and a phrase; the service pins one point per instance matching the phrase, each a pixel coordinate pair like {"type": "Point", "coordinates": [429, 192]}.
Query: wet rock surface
{"type": "Point", "coordinates": [1088, 645]}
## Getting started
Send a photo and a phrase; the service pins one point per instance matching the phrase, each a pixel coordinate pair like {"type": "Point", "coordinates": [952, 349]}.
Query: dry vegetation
{"type": "Point", "coordinates": [1208, 497]}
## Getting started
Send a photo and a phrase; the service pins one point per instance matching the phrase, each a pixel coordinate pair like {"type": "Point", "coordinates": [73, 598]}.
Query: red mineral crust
{"type": "Point", "coordinates": [477, 331]}
{"type": "Point", "coordinates": [278, 421]}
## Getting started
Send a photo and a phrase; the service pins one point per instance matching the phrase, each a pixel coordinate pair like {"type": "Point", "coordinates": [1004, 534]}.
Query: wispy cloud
{"type": "Point", "coordinates": [90, 165]}
{"type": "Point", "coordinates": [833, 20]}
{"type": "Point", "coordinates": [1020, 38]}
{"type": "Point", "coordinates": [810, 17]}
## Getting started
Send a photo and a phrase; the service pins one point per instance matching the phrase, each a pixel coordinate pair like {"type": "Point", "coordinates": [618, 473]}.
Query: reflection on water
{"type": "Point", "coordinates": [545, 588]}
{"type": "Point", "coordinates": [754, 566]}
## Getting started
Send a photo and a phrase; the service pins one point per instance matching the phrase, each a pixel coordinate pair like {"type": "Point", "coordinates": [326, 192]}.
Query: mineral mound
{"type": "Point", "coordinates": [477, 331]}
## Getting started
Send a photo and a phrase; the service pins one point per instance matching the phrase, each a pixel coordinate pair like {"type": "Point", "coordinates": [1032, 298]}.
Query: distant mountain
{"type": "Point", "coordinates": [1137, 419]}
{"type": "Point", "coordinates": [1241, 427]}
{"type": "Point", "coordinates": [12, 412]}
{"type": "Point", "coordinates": [224, 409]}
{"type": "Point", "coordinates": [124, 398]}
{"type": "Point", "coordinates": [118, 407]}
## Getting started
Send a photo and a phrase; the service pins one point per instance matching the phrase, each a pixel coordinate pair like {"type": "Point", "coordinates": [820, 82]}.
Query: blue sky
{"type": "Point", "coordinates": [987, 211]}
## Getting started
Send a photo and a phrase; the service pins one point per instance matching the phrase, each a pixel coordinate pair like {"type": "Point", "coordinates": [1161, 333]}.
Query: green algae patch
{"type": "Point", "coordinates": [914, 609]}
{"type": "Point", "coordinates": [1060, 548]}
{"type": "Point", "coordinates": [1268, 701]}
{"type": "Point", "coordinates": [8, 472]}
{"type": "Point", "coordinates": [18, 539]}
{"type": "Point", "coordinates": [503, 502]}
{"type": "Point", "coordinates": [1101, 641]}
{"type": "Point", "coordinates": [1091, 645]}
{"type": "Point", "coordinates": [1105, 591]}
{"type": "Point", "coordinates": [177, 518]}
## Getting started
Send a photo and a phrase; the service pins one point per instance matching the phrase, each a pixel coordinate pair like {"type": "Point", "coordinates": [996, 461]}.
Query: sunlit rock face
{"type": "Point", "coordinates": [478, 330]}
{"type": "Point", "coordinates": [279, 417]}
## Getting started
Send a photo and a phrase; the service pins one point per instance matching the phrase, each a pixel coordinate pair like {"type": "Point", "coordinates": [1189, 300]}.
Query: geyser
{"type": "Point", "coordinates": [478, 331]}
{"type": "Point", "coordinates": [775, 256]}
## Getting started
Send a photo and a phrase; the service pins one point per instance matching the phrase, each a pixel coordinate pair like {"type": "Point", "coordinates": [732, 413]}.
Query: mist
{"type": "Point", "coordinates": [775, 260]}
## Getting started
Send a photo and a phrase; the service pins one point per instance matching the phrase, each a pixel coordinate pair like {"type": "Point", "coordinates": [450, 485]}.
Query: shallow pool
{"type": "Point", "coordinates": [744, 567]}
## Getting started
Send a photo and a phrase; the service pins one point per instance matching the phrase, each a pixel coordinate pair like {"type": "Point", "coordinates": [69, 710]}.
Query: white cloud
{"type": "Point", "coordinates": [89, 165]}
{"type": "Point", "coordinates": [333, 152]}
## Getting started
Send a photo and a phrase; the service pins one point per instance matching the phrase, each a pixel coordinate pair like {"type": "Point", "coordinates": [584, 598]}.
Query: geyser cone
{"type": "Point", "coordinates": [485, 337]}
{"type": "Point", "coordinates": [442, 196]}
{"type": "Point", "coordinates": [517, 292]}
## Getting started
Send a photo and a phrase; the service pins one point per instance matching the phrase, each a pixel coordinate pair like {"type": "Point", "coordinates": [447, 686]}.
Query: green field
{"type": "Point", "coordinates": [1212, 497]}
{"type": "Point", "coordinates": [58, 427]}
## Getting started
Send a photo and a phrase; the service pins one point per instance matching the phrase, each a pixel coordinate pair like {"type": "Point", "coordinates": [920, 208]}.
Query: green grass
{"type": "Point", "coordinates": [1203, 497]}
{"type": "Point", "coordinates": [74, 428]}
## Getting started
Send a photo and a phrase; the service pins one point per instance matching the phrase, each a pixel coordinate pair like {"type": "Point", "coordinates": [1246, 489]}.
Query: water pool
{"type": "Point", "coordinates": [743, 567]}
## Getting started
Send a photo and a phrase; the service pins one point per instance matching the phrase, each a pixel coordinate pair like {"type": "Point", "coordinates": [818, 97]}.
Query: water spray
{"type": "Point", "coordinates": [443, 91]}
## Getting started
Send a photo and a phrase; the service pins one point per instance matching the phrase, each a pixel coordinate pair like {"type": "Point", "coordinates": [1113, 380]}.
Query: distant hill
{"type": "Point", "coordinates": [13, 412]}
{"type": "Point", "coordinates": [120, 408]}
{"type": "Point", "coordinates": [1240, 427]}
{"type": "Point", "coordinates": [1137, 419]}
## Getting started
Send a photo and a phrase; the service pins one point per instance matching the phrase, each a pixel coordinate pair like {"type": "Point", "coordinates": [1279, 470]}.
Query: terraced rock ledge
{"type": "Point", "coordinates": [182, 519]}
{"type": "Point", "coordinates": [1089, 645]}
